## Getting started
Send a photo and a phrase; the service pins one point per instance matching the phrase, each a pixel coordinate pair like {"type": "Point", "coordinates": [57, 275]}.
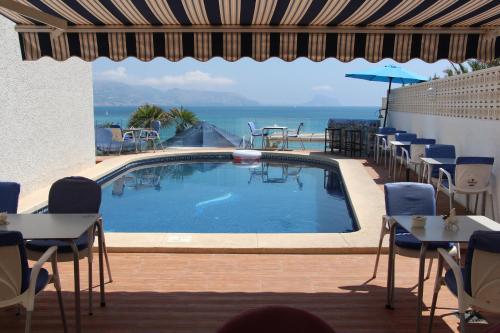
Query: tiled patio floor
{"type": "Point", "coordinates": [199, 292]}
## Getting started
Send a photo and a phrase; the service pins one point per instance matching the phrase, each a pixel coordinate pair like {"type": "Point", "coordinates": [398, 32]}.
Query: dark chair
{"type": "Point", "coordinates": [276, 319]}
{"type": "Point", "coordinates": [477, 285]}
{"type": "Point", "coordinates": [408, 199]}
{"type": "Point", "coordinates": [73, 195]}
{"type": "Point", "coordinates": [9, 197]}
{"type": "Point", "coordinates": [19, 284]}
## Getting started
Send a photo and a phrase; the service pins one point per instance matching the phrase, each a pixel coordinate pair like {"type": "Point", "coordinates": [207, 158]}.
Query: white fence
{"type": "Point", "coordinates": [475, 95]}
{"type": "Point", "coordinates": [462, 110]}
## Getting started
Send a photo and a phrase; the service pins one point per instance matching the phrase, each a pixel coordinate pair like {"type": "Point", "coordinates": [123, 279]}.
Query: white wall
{"type": "Point", "coordinates": [471, 137]}
{"type": "Point", "coordinates": [46, 116]}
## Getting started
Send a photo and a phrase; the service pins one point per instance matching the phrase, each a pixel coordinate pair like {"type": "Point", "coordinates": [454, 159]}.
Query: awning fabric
{"type": "Point", "coordinates": [260, 29]}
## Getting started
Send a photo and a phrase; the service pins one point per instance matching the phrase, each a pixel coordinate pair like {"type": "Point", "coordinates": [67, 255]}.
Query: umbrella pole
{"type": "Point", "coordinates": [387, 102]}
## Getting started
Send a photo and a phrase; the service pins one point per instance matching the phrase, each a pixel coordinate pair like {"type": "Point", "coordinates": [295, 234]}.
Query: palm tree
{"type": "Point", "coordinates": [182, 118]}
{"type": "Point", "coordinates": [145, 114]}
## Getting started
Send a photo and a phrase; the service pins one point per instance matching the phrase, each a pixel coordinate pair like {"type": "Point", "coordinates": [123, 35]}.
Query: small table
{"type": "Point", "coordinates": [434, 231]}
{"type": "Point", "coordinates": [395, 145]}
{"type": "Point", "coordinates": [430, 162]}
{"type": "Point", "coordinates": [284, 131]}
{"type": "Point", "coordinates": [66, 227]}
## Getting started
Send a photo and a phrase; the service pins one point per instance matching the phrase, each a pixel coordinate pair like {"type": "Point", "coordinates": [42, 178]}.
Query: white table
{"type": "Point", "coordinates": [284, 131]}
{"type": "Point", "coordinates": [65, 227]}
{"type": "Point", "coordinates": [434, 231]}
{"type": "Point", "coordinates": [430, 162]}
{"type": "Point", "coordinates": [394, 146]}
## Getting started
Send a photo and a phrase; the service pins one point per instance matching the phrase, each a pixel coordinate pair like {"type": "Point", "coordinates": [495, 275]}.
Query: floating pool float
{"type": "Point", "coordinates": [246, 156]}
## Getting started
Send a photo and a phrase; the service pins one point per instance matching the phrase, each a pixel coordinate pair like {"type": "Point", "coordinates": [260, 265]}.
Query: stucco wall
{"type": "Point", "coordinates": [471, 137]}
{"type": "Point", "coordinates": [46, 116]}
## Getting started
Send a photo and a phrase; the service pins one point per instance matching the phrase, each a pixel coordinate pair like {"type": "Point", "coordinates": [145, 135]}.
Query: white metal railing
{"type": "Point", "coordinates": [475, 95]}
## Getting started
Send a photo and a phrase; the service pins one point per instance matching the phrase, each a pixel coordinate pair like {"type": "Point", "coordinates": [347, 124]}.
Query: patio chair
{"type": "Point", "coordinates": [472, 177]}
{"type": "Point", "coordinates": [73, 195]}
{"type": "Point", "coordinates": [9, 196]}
{"type": "Point", "coordinates": [296, 134]}
{"type": "Point", "coordinates": [276, 319]}
{"type": "Point", "coordinates": [153, 135]}
{"type": "Point", "coordinates": [440, 151]}
{"type": "Point", "coordinates": [411, 157]}
{"type": "Point", "coordinates": [477, 285]}
{"type": "Point", "coordinates": [397, 151]}
{"type": "Point", "coordinates": [19, 284]}
{"type": "Point", "coordinates": [385, 147]}
{"type": "Point", "coordinates": [408, 199]}
{"type": "Point", "coordinates": [110, 140]}
{"type": "Point", "coordinates": [380, 147]}
{"type": "Point", "coordinates": [254, 132]}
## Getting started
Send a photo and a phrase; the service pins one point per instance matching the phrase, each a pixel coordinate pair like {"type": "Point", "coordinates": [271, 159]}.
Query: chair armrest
{"type": "Point", "coordinates": [384, 143]}
{"type": "Point", "coordinates": [443, 172]}
{"type": "Point", "coordinates": [126, 134]}
{"type": "Point", "coordinates": [405, 155]}
{"type": "Point", "coordinates": [35, 270]}
{"type": "Point", "coordinates": [456, 271]}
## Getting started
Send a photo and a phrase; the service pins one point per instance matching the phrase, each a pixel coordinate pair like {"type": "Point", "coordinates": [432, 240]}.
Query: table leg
{"type": "Point", "coordinates": [376, 149]}
{"type": "Point", "coordinates": [76, 268]}
{"type": "Point", "coordinates": [100, 235]}
{"type": "Point", "coordinates": [429, 173]}
{"type": "Point", "coordinates": [390, 270]}
{"type": "Point", "coordinates": [421, 273]}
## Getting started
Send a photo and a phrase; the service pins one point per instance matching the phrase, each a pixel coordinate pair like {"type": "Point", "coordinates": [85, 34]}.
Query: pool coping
{"type": "Point", "coordinates": [365, 196]}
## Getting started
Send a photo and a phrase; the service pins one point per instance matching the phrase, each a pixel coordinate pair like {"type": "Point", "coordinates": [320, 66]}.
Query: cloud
{"type": "Point", "coordinates": [117, 74]}
{"type": "Point", "coordinates": [323, 88]}
{"type": "Point", "coordinates": [192, 79]}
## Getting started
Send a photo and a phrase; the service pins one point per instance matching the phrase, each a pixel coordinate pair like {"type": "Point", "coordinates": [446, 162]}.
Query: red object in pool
{"type": "Point", "coordinates": [276, 319]}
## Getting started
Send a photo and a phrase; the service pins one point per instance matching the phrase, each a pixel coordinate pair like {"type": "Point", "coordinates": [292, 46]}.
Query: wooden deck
{"type": "Point", "coordinates": [199, 292]}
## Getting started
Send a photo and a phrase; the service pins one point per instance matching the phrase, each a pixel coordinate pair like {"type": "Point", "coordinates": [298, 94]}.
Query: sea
{"type": "Point", "coordinates": [234, 119]}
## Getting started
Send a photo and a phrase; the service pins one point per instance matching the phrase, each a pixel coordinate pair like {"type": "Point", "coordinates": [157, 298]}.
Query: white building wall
{"type": "Point", "coordinates": [462, 111]}
{"type": "Point", "coordinates": [46, 116]}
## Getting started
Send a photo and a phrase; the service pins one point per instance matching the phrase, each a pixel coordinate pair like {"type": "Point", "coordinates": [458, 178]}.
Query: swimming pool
{"type": "Point", "coordinates": [271, 196]}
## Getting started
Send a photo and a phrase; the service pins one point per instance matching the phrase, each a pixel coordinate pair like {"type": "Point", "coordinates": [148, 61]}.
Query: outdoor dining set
{"type": "Point", "coordinates": [417, 231]}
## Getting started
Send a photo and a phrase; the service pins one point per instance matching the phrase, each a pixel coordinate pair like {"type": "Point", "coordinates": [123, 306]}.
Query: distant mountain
{"type": "Point", "coordinates": [120, 94]}
{"type": "Point", "coordinates": [323, 100]}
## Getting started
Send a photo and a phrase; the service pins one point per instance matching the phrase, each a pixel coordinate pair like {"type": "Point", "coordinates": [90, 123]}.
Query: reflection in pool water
{"type": "Point", "coordinates": [220, 197]}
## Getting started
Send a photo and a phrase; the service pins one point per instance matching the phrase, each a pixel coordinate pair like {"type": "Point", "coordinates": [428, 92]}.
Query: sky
{"type": "Point", "coordinates": [272, 82]}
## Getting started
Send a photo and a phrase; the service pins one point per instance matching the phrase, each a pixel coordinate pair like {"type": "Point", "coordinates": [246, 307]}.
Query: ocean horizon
{"type": "Point", "coordinates": [234, 119]}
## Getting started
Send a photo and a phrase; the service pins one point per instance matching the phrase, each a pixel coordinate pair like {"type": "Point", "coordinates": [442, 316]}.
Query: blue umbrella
{"type": "Point", "coordinates": [391, 74]}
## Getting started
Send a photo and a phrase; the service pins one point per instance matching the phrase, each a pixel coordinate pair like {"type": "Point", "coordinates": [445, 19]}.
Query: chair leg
{"type": "Point", "coordinates": [57, 285]}
{"type": "Point", "coordinates": [437, 286]}
{"type": "Point", "coordinates": [428, 275]}
{"type": "Point", "coordinates": [461, 315]}
{"type": "Point", "coordinates": [379, 250]}
{"type": "Point", "coordinates": [90, 280]}
{"type": "Point", "coordinates": [27, 328]}
{"type": "Point", "coordinates": [108, 266]}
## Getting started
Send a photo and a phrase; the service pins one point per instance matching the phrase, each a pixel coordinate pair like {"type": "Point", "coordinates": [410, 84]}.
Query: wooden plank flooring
{"type": "Point", "coordinates": [199, 292]}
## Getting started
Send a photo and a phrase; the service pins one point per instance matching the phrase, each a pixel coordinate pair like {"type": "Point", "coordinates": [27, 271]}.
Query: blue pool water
{"type": "Point", "coordinates": [220, 197]}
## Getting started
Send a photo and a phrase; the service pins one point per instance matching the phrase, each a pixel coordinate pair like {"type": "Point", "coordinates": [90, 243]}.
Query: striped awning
{"type": "Point", "coordinates": [317, 29]}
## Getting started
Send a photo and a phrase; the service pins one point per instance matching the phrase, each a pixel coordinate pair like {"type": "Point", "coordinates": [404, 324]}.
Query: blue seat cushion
{"type": "Point", "coordinates": [41, 282]}
{"type": "Point", "coordinates": [451, 282]}
{"type": "Point", "coordinates": [62, 246]}
{"type": "Point", "coordinates": [408, 241]}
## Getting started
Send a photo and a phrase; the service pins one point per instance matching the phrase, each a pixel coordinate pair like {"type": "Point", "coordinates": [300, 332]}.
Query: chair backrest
{"type": "Point", "coordinates": [482, 269]}
{"type": "Point", "coordinates": [404, 137]}
{"type": "Point", "coordinates": [441, 151]}
{"type": "Point", "coordinates": [409, 199]}
{"type": "Point", "coordinates": [9, 197]}
{"type": "Point", "coordinates": [417, 149]}
{"type": "Point", "coordinates": [301, 125]}
{"type": "Point", "coordinates": [251, 124]}
{"type": "Point", "coordinates": [386, 130]}
{"type": "Point", "coordinates": [156, 125]}
{"type": "Point", "coordinates": [276, 319]}
{"type": "Point", "coordinates": [14, 272]}
{"type": "Point", "coordinates": [75, 195]}
{"type": "Point", "coordinates": [473, 173]}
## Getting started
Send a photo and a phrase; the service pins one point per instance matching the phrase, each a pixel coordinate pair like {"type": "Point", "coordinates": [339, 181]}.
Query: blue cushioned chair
{"type": "Point", "coordinates": [255, 132]}
{"type": "Point", "coordinates": [19, 284]}
{"type": "Point", "coordinates": [72, 195]}
{"type": "Point", "coordinates": [408, 199]}
{"type": "Point", "coordinates": [379, 144]}
{"type": "Point", "coordinates": [471, 177]}
{"type": "Point", "coordinates": [385, 147]}
{"type": "Point", "coordinates": [476, 285]}
{"type": "Point", "coordinates": [153, 135]}
{"type": "Point", "coordinates": [440, 151]}
{"type": "Point", "coordinates": [397, 152]}
{"type": "Point", "coordinates": [411, 156]}
{"type": "Point", "coordinates": [9, 197]}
